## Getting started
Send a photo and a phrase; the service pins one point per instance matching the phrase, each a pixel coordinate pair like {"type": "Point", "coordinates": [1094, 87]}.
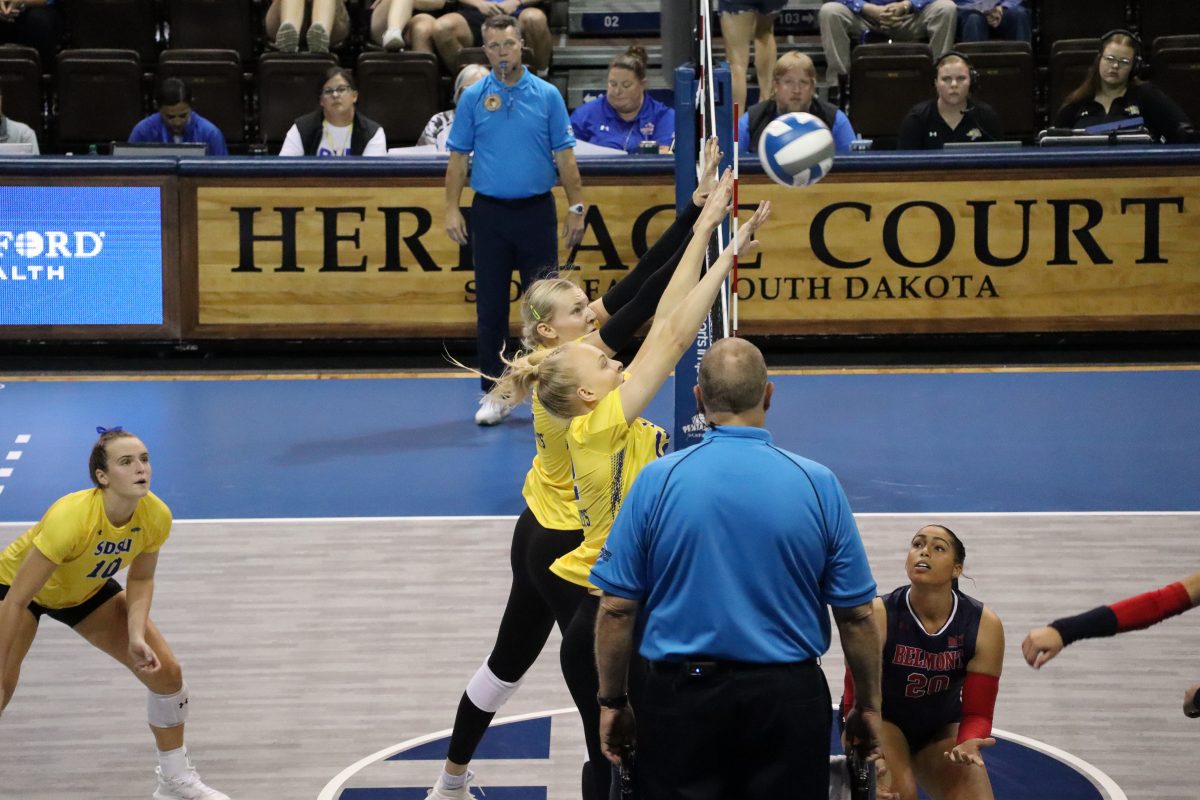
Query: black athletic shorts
{"type": "Point", "coordinates": [73, 615]}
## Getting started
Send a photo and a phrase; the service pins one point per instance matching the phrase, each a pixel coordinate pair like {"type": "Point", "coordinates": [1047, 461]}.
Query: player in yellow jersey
{"type": "Point", "coordinates": [608, 440]}
{"type": "Point", "coordinates": [63, 568]}
{"type": "Point", "coordinates": [554, 311]}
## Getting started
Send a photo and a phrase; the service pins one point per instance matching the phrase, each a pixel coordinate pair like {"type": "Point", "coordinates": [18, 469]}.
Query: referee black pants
{"type": "Point", "coordinates": [506, 235]}
{"type": "Point", "coordinates": [734, 732]}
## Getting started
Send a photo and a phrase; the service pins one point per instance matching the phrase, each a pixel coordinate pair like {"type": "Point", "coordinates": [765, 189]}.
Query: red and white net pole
{"type": "Point", "coordinates": [733, 228]}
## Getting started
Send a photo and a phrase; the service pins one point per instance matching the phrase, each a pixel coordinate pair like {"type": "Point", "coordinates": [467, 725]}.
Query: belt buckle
{"type": "Point", "coordinates": [699, 669]}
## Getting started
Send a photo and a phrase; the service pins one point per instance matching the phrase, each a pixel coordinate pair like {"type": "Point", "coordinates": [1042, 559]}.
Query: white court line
{"type": "Point", "coordinates": [13, 455]}
{"type": "Point", "coordinates": [6, 472]}
{"type": "Point", "coordinates": [334, 786]}
{"type": "Point", "coordinates": [1, 488]}
{"type": "Point", "coordinates": [1104, 784]}
{"type": "Point", "coordinates": [23, 439]}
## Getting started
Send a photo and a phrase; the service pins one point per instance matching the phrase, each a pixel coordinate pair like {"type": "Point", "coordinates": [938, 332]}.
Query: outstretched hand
{"type": "Point", "coordinates": [1041, 645]}
{"type": "Point", "coordinates": [745, 236]}
{"type": "Point", "coordinates": [967, 753]}
{"type": "Point", "coordinates": [710, 162]}
{"type": "Point", "coordinates": [716, 207]}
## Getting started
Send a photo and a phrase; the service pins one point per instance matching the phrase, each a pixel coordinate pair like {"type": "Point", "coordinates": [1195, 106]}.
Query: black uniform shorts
{"type": "Point", "coordinates": [73, 615]}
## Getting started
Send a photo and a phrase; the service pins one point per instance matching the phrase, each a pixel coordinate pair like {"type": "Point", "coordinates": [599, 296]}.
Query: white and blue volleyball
{"type": "Point", "coordinates": [796, 149]}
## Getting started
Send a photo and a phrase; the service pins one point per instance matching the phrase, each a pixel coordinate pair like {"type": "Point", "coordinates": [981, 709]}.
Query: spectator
{"type": "Point", "coordinates": [33, 23]}
{"type": "Point", "coordinates": [462, 28]}
{"type": "Point", "coordinates": [516, 125]}
{"type": "Point", "coordinates": [795, 84]}
{"type": "Point", "coordinates": [328, 22]}
{"type": "Point", "coordinates": [394, 26]}
{"type": "Point", "coordinates": [741, 21]}
{"type": "Point", "coordinates": [902, 20]}
{"type": "Point", "coordinates": [13, 131]}
{"type": "Point", "coordinates": [1112, 93]}
{"type": "Point", "coordinates": [336, 128]}
{"type": "Point", "coordinates": [625, 116]}
{"type": "Point", "coordinates": [438, 128]}
{"type": "Point", "coordinates": [727, 556]}
{"type": "Point", "coordinates": [175, 122]}
{"type": "Point", "coordinates": [953, 116]}
{"type": "Point", "coordinates": [980, 20]}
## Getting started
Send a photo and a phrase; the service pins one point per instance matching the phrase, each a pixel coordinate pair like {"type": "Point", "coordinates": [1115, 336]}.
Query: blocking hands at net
{"type": "Point", "coordinates": [1132, 613]}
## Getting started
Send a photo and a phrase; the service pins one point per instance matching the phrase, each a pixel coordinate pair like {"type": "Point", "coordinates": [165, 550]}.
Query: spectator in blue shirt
{"type": "Point", "coordinates": [176, 122]}
{"type": "Point", "coordinates": [980, 20]}
{"type": "Point", "coordinates": [902, 20]}
{"type": "Point", "coordinates": [795, 83]}
{"type": "Point", "coordinates": [625, 116]}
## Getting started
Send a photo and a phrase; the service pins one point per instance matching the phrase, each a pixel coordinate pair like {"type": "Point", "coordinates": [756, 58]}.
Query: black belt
{"type": "Point", "coordinates": [516, 202]}
{"type": "Point", "coordinates": [703, 667]}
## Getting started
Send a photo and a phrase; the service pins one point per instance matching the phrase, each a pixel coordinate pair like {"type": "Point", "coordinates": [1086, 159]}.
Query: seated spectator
{"type": "Point", "coordinates": [460, 28]}
{"type": "Point", "coordinates": [953, 116]}
{"type": "Point", "coordinates": [902, 20]}
{"type": "Point", "coordinates": [1111, 93]}
{"type": "Point", "coordinates": [625, 116]}
{"type": "Point", "coordinates": [33, 23]}
{"type": "Point", "coordinates": [394, 26]}
{"type": "Point", "coordinates": [438, 128]}
{"type": "Point", "coordinates": [795, 86]}
{"type": "Point", "coordinates": [328, 22]}
{"type": "Point", "coordinates": [175, 122]}
{"type": "Point", "coordinates": [336, 128]}
{"type": "Point", "coordinates": [980, 20]}
{"type": "Point", "coordinates": [13, 131]}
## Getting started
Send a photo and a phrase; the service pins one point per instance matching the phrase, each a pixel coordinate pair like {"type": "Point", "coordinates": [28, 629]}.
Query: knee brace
{"type": "Point", "coordinates": [488, 692]}
{"type": "Point", "coordinates": [167, 710]}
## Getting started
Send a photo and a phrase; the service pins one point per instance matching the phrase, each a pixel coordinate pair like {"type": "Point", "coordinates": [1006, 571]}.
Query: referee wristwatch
{"type": "Point", "coordinates": [578, 208]}
{"type": "Point", "coordinates": [618, 702]}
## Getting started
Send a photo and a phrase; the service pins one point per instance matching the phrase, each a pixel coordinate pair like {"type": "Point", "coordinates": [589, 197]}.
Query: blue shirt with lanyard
{"type": "Point", "coordinates": [514, 132]}
{"type": "Point", "coordinates": [597, 122]}
{"type": "Point", "coordinates": [735, 547]}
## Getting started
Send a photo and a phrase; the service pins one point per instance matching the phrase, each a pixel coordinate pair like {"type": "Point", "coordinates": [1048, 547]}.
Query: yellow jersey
{"type": "Point", "coordinates": [606, 456]}
{"type": "Point", "coordinates": [77, 535]}
{"type": "Point", "coordinates": [549, 491]}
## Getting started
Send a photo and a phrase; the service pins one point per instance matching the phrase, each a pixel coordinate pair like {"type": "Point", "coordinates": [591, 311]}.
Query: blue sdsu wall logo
{"type": "Point", "coordinates": [1021, 768]}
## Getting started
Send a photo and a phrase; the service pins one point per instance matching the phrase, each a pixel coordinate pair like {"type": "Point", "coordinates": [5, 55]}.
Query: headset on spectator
{"type": "Point", "coordinates": [1138, 63]}
{"type": "Point", "coordinates": [971, 71]}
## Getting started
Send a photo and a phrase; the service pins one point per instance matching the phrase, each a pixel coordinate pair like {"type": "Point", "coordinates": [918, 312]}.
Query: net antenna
{"type": "Point", "coordinates": [707, 106]}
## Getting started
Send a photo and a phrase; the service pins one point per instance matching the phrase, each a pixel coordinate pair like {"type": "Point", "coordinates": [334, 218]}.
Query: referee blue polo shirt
{"type": "Point", "coordinates": [735, 547]}
{"type": "Point", "coordinates": [514, 132]}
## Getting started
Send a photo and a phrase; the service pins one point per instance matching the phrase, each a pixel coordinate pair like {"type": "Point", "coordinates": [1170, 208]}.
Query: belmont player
{"type": "Point", "coordinates": [1130, 614]}
{"type": "Point", "coordinates": [942, 656]}
{"type": "Point", "coordinates": [63, 568]}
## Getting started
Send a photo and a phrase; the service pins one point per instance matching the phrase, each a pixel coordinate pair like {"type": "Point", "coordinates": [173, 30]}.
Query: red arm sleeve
{"type": "Point", "coordinates": [978, 706]}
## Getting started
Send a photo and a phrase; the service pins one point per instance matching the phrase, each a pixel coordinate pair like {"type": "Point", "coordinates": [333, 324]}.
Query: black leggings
{"type": "Point", "coordinates": [536, 600]}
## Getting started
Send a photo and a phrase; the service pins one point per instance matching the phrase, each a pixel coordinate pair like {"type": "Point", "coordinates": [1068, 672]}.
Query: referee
{"type": "Point", "coordinates": [517, 126]}
{"type": "Point", "coordinates": [723, 559]}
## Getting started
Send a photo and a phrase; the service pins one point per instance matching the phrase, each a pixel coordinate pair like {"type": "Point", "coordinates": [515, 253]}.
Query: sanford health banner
{"type": "Point", "coordinates": [843, 256]}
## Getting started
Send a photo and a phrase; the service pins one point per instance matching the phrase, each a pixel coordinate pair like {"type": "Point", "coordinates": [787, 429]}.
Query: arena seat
{"type": "Point", "coordinates": [1068, 68]}
{"type": "Point", "coordinates": [21, 77]}
{"type": "Point", "coordinates": [1176, 70]}
{"type": "Point", "coordinates": [223, 24]}
{"type": "Point", "coordinates": [215, 79]}
{"type": "Point", "coordinates": [1074, 19]}
{"type": "Point", "coordinates": [1187, 40]}
{"type": "Point", "coordinates": [400, 91]}
{"type": "Point", "coordinates": [882, 90]}
{"type": "Point", "coordinates": [100, 96]}
{"type": "Point", "coordinates": [1160, 18]}
{"type": "Point", "coordinates": [1007, 83]}
{"type": "Point", "coordinates": [288, 85]}
{"type": "Point", "coordinates": [124, 24]}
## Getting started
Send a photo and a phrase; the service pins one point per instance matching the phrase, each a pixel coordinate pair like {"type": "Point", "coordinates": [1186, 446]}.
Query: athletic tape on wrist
{"type": "Point", "coordinates": [167, 710]}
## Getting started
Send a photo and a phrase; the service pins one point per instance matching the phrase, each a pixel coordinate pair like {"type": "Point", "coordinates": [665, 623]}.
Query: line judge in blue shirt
{"type": "Point", "coordinates": [176, 123]}
{"type": "Point", "coordinates": [625, 116]}
{"type": "Point", "coordinates": [795, 82]}
{"type": "Point", "coordinates": [722, 561]}
{"type": "Point", "coordinates": [517, 126]}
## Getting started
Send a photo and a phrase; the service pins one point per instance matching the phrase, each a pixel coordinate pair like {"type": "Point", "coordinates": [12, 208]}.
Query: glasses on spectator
{"type": "Point", "coordinates": [1113, 61]}
{"type": "Point", "coordinates": [507, 44]}
{"type": "Point", "coordinates": [336, 90]}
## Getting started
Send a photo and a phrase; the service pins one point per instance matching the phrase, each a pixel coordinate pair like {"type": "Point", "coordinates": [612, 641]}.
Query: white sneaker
{"type": "Point", "coordinates": [187, 787]}
{"type": "Point", "coordinates": [317, 38]}
{"type": "Point", "coordinates": [438, 792]}
{"type": "Point", "coordinates": [393, 40]}
{"type": "Point", "coordinates": [491, 411]}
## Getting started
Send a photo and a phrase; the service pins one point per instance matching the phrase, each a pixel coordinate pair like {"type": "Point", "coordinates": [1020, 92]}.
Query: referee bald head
{"type": "Point", "coordinates": [732, 387]}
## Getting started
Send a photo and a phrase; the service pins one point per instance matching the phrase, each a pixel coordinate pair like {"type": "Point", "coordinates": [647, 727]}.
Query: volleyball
{"type": "Point", "coordinates": [796, 149]}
